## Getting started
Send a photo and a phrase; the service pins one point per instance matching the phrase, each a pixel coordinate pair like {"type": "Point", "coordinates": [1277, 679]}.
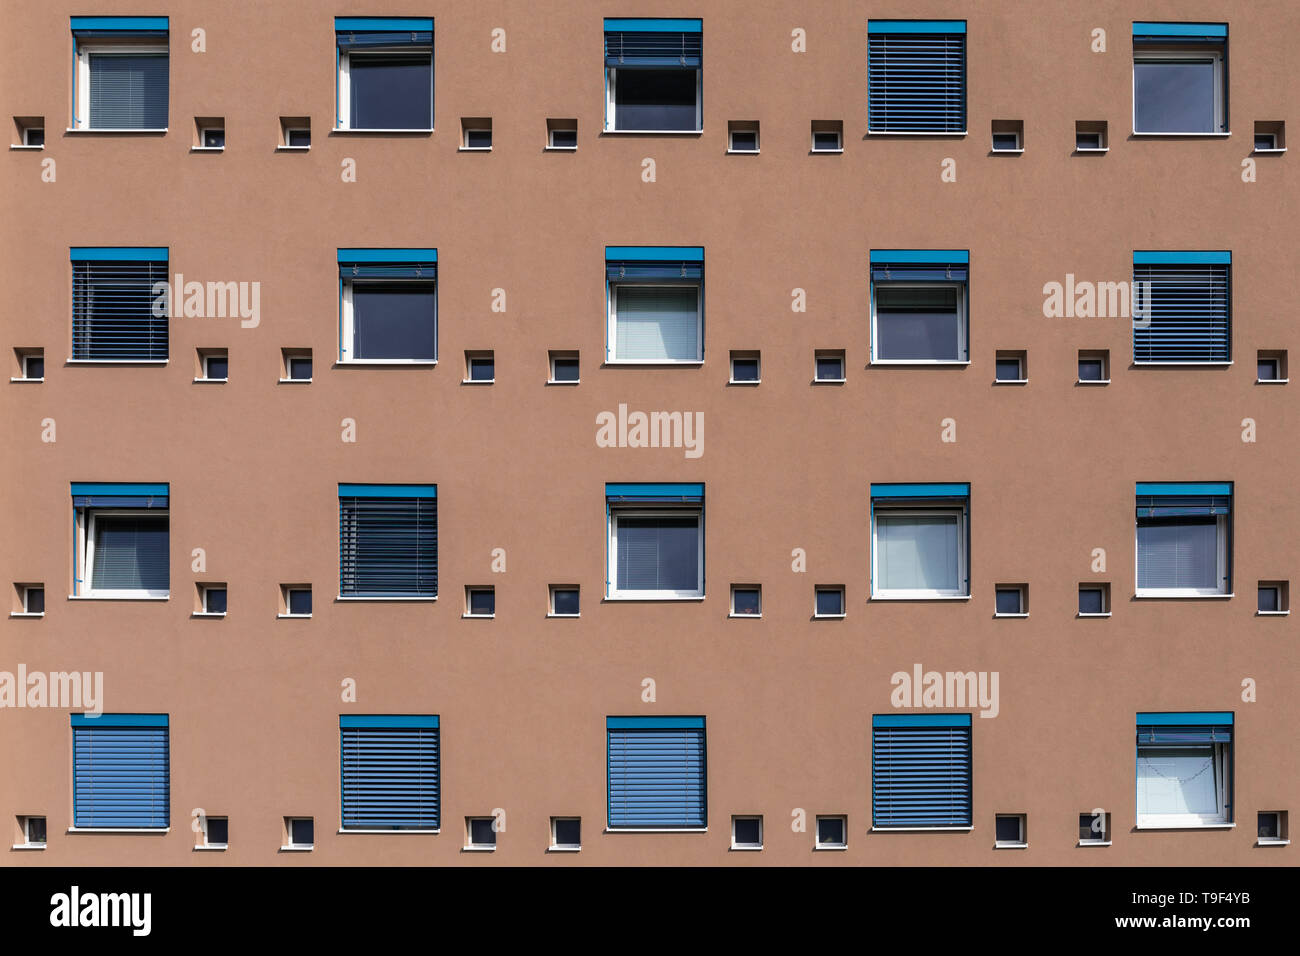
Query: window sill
{"type": "Point", "coordinates": [1258, 381]}
{"type": "Point", "coordinates": [474, 149]}
{"type": "Point", "coordinates": [953, 362]}
{"type": "Point", "coordinates": [478, 381]}
{"type": "Point", "coordinates": [826, 152]}
{"type": "Point", "coordinates": [110, 597]}
{"type": "Point", "coordinates": [610, 363]}
{"type": "Point", "coordinates": [656, 829]}
{"type": "Point", "coordinates": [1093, 843]}
{"type": "Point", "coordinates": [77, 361]}
{"type": "Point", "coordinates": [1018, 614]}
{"type": "Point", "coordinates": [36, 381]}
{"type": "Point", "coordinates": [1011, 381]}
{"type": "Point", "coordinates": [390, 830]}
{"type": "Point", "coordinates": [559, 149]}
{"type": "Point", "coordinates": [1215, 364]}
{"type": "Point", "coordinates": [25, 146]}
{"type": "Point", "coordinates": [154, 131]}
{"type": "Point", "coordinates": [1007, 152]}
{"type": "Point", "coordinates": [158, 830]}
{"type": "Point", "coordinates": [1272, 613]}
{"type": "Point", "coordinates": [211, 848]}
{"type": "Point", "coordinates": [746, 617]}
{"type": "Point", "coordinates": [1092, 381]}
{"type": "Point", "coordinates": [834, 846]}
{"type": "Point", "coordinates": [1093, 614]}
{"type": "Point", "coordinates": [564, 617]}
{"type": "Point", "coordinates": [27, 614]}
{"type": "Point", "coordinates": [208, 614]}
{"type": "Point", "coordinates": [632, 598]}
{"type": "Point", "coordinates": [208, 149]}
{"type": "Point", "coordinates": [1088, 150]}
{"type": "Point", "coordinates": [966, 829]}
{"type": "Point", "coordinates": [1185, 826]}
{"type": "Point", "coordinates": [292, 149]}
{"type": "Point", "coordinates": [563, 849]}
{"type": "Point", "coordinates": [478, 849]}
{"type": "Point", "coordinates": [1011, 846]}
{"type": "Point", "coordinates": [478, 617]}
{"type": "Point", "coordinates": [752, 381]}
{"type": "Point", "coordinates": [1260, 842]}
{"type": "Point", "coordinates": [1140, 135]}
{"type": "Point", "coordinates": [920, 597]}
{"type": "Point", "coordinates": [363, 363]}
{"type": "Point", "coordinates": [376, 599]}
{"type": "Point", "coordinates": [914, 132]}
{"type": "Point", "coordinates": [28, 846]}
{"type": "Point", "coordinates": [738, 152]}
{"type": "Point", "coordinates": [295, 381]}
{"type": "Point", "coordinates": [1181, 596]}
{"type": "Point", "coordinates": [652, 132]}
{"type": "Point", "coordinates": [829, 617]}
{"type": "Point", "coordinates": [829, 381]}
{"type": "Point", "coordinates": [292, 617]}
{"type": "Point", "coordinates": [294, 848]}
{"type": "Point", "coordinates": [211, 381]}
{"type": "Point", "coordinates": [745, 849]}
{"type": "Point", "coordinates": [554, 381]}
{"type": "Point", "coordinates": [409, 130]}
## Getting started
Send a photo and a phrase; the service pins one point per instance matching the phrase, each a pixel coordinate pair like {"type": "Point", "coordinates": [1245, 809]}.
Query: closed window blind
{"type": "Point", "coordinates": [113, 306]}
{"type": "Point", "coordinates": [121, 771]}
{"type": "Point", "coordinates": [128, 90]}
{"type": "Point", "coordinates": [388, 545]}
{"type": "Point", "coordinates": [390, 773]}
{"type": "Point", "coordinates": [131, 553]}
{"type": "Point", "coordinates": [656, 772]}
{"type": "Point", "coordinates": [657, 323]}
{"type": "Point", "coordinates": [921, 771]}
{"type": "Point", "coordinates": [1186, 312]}
{"type": "Point", "coordinates": [916, 77]}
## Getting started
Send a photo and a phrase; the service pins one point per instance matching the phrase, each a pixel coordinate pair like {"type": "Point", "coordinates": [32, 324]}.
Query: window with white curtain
{"type": "Point", "coordinates": [655, 323]}
{"type": "Point", "coordinates": [1184, 769]}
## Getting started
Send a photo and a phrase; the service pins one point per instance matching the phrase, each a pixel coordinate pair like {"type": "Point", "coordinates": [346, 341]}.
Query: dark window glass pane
{"type": "Point", "coordinates": [918, 323]}
{"type": "Point", "coordinates": [830, 602]}
{"type": "Point", "coordinates": [1174, 96]}
{"type": "Point", "coordinates": [131, 553]}
{"type": "Point", "coordinates": [744, 370]}
{"type": "Point", "coordinates": [1090, 370]}
{"type": "Point", "coordinates": [391, 91]}
{"type": "Point", "coordinates": [565, 601]}
{"type": "Point", "coordinates": [655, 99]}
{"type": "Point", "coordinates": [1008, 601]}
{"type": "Point", "coordinates": [218, 830]}
{"type": "Point", "coordinates": [128, 90]}
{"type": "Point", "coordinates": [1268, 826]}
{"type": "Point", "coordinates": [300, 368]}
{"type": "Point", "coordinates": [1005, 141]}
{"type": "Point", "coordinates": [830, 368]}
{"type": "Point", "coordinates": [1265, 141]}
{"type": "Point", "coordinates": [746, 140]}
{"type": "Point", "coordinates": [1008, 829]}
{"type": "Point", "coordinates": [36, 600]}
{"type": "Point", "coordinates": [300, 601]}
{"type": "Point", "coordinates": [35, 366]}
{"type": "Point", "coordinates": [830, 830]}
{"type": "Point", "coordinates": [299, 137]}
{"type": "Point", "coordinates": [482, 370]}
{"type": "Point", "coordinates": [302, 832]}
{"type": "Point", "coordinates": [216, 598]}
{"type": "Point", "coordinates": [393, 321]}
{"type": "Point", "coordinates": [1268, 599]}
{"type": "Point", "coordinates": [747, 831]}
{"type": "Point", "coordinates": [566, 370]}
{"type": "Point", "coordinates": [826, 141]}
{"type": "Point", "coordinates": [478, 138]}
{"type": "Point", "coordinates": [1087, 141]}
{"type": "Point", "coordinates": [1267, 370]}
{"type": "Point", "coordinates": [214, 137]}
{"type": "Point", "coordinates": [746, 601]}
{"type": "Point", "coordinates": [218, 366]}
{"type": "Point", "coordinates": [658, 554]}
{"type": "Point", "coordinates": [1091, 601]}
{"type": "Point", "coordinates": [36, 830]}
{"type": "Point", "coordinates": [36, 137]}
{"type": "Point", "coordinates": [568, 832]}
{"type": "Point", "coordinates": [1008, 370]}
{"type": "Point", "coordinates": [481, 832]}
{"type": "Point", "coordinates": [1086, 832]}
{"type": "Point", "coordinates": [564, 137]}
{"type": "Point", "coordinates": [482, 602]}
{"type": "Point", "coordinates": [1178, 553]}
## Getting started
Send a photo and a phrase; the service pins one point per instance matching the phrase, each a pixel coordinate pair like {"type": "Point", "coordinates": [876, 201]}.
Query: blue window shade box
{"type": "Point", "coordinates": [645, 492]}
{"type": "Point", "coordinates": [632, 253]}
{"type": "Point", "coordinates": [652, 25]}
{"type": "Point", "coordinates": [119, 253]}
{"type": "Point", "coordinates": [920, 265]}
{"type": "Point", "coordinates": [920, 720]}
{"type": "Point", "coordinates": [654, 723]}
{"type": "Point", "coordinates": [1145, 29]}
{"type": "Point", "coordinates": [916, 26]}
{"type": "Point", "coordinates": [902, 256]}
{"type": "Point", "coordinates": [1182, 257]}
{"type": "Point", "coordinates": [388, 491]}
{"type": "Point", "coordinates": [389, 720]}
{"type": "Point", "coordinates": [1185, 717]}
{"type": "Point", "coordinates": [90, 27]}
{"type": "Point", "coordinates": [120, 720]}
{"type": "Point", "coordinates": [925, 490]}
{"type": "Point", "coordinates": [119, 495]}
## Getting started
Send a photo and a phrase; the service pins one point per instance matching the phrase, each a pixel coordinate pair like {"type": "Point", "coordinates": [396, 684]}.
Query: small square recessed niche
{"type": "Point", "coordinates": [1273, 599]}
{"type": "Point", "coordinates": [29, 365]}
{"type": "Point", "coordinates": [1094, 367]}
{"type": "Point", "coordinates": [1011, 600]}
{"type": "Point", "coordinates": [476, 134]}
{"type": "Point", "coordinates": [742, 136]}
{"type": "Point", "coordinates": [1090, 136]}
{"type": "Point", "coordinates": [1009, 136]}
{"type": "Point", "coordinates": [1270, 367]}
{"type": "Point", "coordinates": [295, 365]}
{"type": "Point", "coordinates": [209, 134]}
{"type": "Point", "coordinates": [1094, 599]}
{"type": "Point", "coordinates": [1270, 136]}
{"type": "Point", "coordinates": [562, 134]}
{"type": "Point", "coordinates": [1011, 367]}
{"type": "Point", "coordinates": [29, 600]}
{"type": "Point", "coordinates": [29, 132]}
{"type": "Point", "coordinates": [827, 136]}
{"type": "Point", "coordinates": [295, 132]}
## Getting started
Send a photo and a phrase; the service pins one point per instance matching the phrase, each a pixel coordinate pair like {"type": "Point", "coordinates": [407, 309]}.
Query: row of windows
{"type": "Point", "coordinates": [653, 78]}
{"type": "Point", "coordinates": [920, 546]}
{"type": "Point", "coordinates": [1179, 303]}
{"type": "Point", "coordinates": [656, 779]}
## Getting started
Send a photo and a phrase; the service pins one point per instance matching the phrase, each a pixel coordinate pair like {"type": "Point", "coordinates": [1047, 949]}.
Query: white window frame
{"type": "Point", "coordinates": [836, 588]}
{"type": "Point", "coordinates": [1020, 843]}
{"type": "Point", "coordinates": [564, 847]}
{"type": "Point", "coordinates": [993, 141]}
{"type": "Point", "coordinates": [1143, 53]}
{"type": "Point", "coordinates": [290, 845]}
{"type": "Point", "coordinates": [28, 130]}
{"type": "Point", "coordinates": [470, 845]}
{"type": "Point", "coordinates": [348, 326]}
{"type": "Point", "coordinates": [465, 147]}
{"type": "Point", "coordinates": [288, 135]}
{"type": "Point", "coordinates": [1104, 838]}
{"type": "Point", "coordinates": [473, 589]}
{"type": "Point", "coordinates": [757, 588]}
{"type": "Point", "coordinates": [484, 356]}
{"type": "Point", "coordinates": [1020, 379]}
{"type": "Point", "coordinates": [1283, 834]}
{"type": "Point", "coordinates": [1105, 601]}
{"type": "Point", "coordinates": [86, 520]}
{"type": "Point", "coordinates": [839, 138]}
{"type": "Point", "coordinates": [550, 143]}
{"type": "Point", "coordinates": [611, 329]}
{"type": "Point", "coordinates": [28, 842]}
{"type": "Point", "coordinates": [27, 376]}
{"type": "Point", "coordinates": [553, 358]}
{"type": "Point", "coordinates": [204, 595]}
{"type": "Point", "coordinates": [288, 589]}
{"type": "Point", "coordinates": [731, 141]}
{"type": "Point", "coordinates": [611, 101]}
{"type": "Point", "coordinates": [1103, 361]}
{"type": "Point", "coordinates": [817, 835]}
{"type": "Point", "coordinates": [208, 844]}
{"type": "Point", "coordinates": [618, 513]}
{"type": "Point", "coordinates": [963, 332]}
{"type": "Point", "coordinates": [746, 846]}
{"type": "Point", "coordinates": [921, 594]}
{"type": "Point", "coordinates": [27, 600]}
{"type": "Point", "coordinates": [1222, 762]}
{"type": "Point", "coordinates": [84, 53]}
{"type": "Point", "coordinates": [551, 612]}
{"type": "Point", "coordinates": [1221, 568]}
{"type": "Point", "coordinates": [754, 357]}
{"type": "Point", "coordinates": [208, 356]}
{"type": "Point", "coordinates": [345, 90]}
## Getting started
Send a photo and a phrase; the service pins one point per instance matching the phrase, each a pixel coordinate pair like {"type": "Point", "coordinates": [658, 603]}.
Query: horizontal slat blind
{"type": "Point", "coordinates": [657, 323]}
{"type": "Point", "coordinates": [1189, 313]}
{"type": "Point", "coordinates": [1173, 506]}
{"type": "Point", "coordinates": [131, 553]}
{"type": "Point", "coordinates": [121, 776]}
{"type": "Point", "coordinates": [920, 272]}
{"type": "Point", "coordinates": [1178, 553]}
{"type": "Point", "coordinates": [628, 48]}
{"type": "Point", "coordinates": [388, 546]}
{"type": "Point", "coordinates": [651, 492]}
{"type": "Point", "coordinates": [921, 776]}
{"type": "Point", "coordinates": [617, 269]}
{"type": "Point", "coordinates": [1174, 735]}
{"type": "Point", "coordinates": [916, 82]}
{"type": "Point", "coordinates": [113, 311]}
{"type": "Point", "coordinates": [390, 777]}
{"type": "Point", "coordinates": [375, 39]}
{"type": "Point", "coordinates": [128, 90]}
{"type": "Point", "coordinates": [656, 777]}
{"type": "Point", "coordinates": [388, 270]}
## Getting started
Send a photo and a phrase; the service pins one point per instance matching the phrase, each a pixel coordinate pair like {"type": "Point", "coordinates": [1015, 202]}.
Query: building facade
{"type": "Point", "coordinates": [832, 433]}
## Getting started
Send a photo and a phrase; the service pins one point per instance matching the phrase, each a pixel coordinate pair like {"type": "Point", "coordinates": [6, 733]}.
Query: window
{"type": "Point", "coordinates": [1008, 136]}
{"type": "Point", "coordinates": [747, 833]}
{"type": "Point", "coordinates": [1090, 136]}
{"type": "Point", "coordinates": [120, 772]}
{"type": "Point", "coordinates": [480, 833]}
{"type": "Point", "coordinates": [480, 367]}
{"type": "Point", "coordinates": [121, 73]}
{"type": "Point", "coordinates": [656, 540]}
{"type": "Point", "coordinates": [1094, 600]}
{"type": "Point", "coordinates": [656, 773]}
{"type": "Point", "coordinates": [564, 368]}
{"type": "Point", "coordinates": [295, 132]}
{"type": "Point", "coordinates": [1265, 142]}
{"type": "Point", "coordinates": [30, 131]}
{"type": "Point", "coordinates": [301, 832]}
{"type": "Point", "coordinates": [297, 365]}
{"type": "Point", "coordinates": [33, 831]}
{"type": "Point", "coordinates": [1270, 136]}
{"type": "Point", "coordinates": [1094, 368]}
{"type": "Point", "coordinates": [566, 833]}
{"type": "Point", "coordinates": [1271, 828]}
{"type": "Point", "coordinates": [33, 598]}
{"type": "Point", "coordinates": [1094, 828]}
{"type": "Point", "coordinates": [214, 139]}
{"type": "Point", "coordinates": [1270, 367]}
{"type": "Point", "coordinates": [656, 304]}
{"type": "Point", "coordinates": [476, 133]}
{"type": "Point", "coordinates": [31, 365]}
{"type": "Point", "coordinates": [918, 305]}
{"type": "Point", "coordinates": [562, 134]}
{"type": "Point", "coordinates": [385, 79]}
{"type": "Point", "coordinates": [480, 602]}
{"type": "Point", "coordinates": [832, 833]}
{"type": "Point", "coordinates": [827, 136]}
{"type": "Point", "coordinates": [1273, 598]}
{"type": "Point", "coordinates": [828, 600]}
{"type": "Point", "coordinates": [916, 76]}
{"type": "Point", "coordinates": [121, 540]}
{"type": "Point", "coordinates": [1184, 769]}
{"type": "Point", "coordinates": [564, 600]}
{"type": "Point", "coordinates": [1185, 310]}
{"type": "Point", "coordinates": [214, 365]}
{"type": "Point", "coordinates": [653, 75]}
{"type": "Point", "coordinates": [1009, 831]}
{"type": "Point", "coordinates": [209, 132]}
{"type": "Point", "coordinates": [117, 316]}
{"type": "Point", "coordinates": [742, 136]}
{"type": "Point", "coordinates": [297, 600]}
{"type": "Point", "coordinates": [920, 540]}
{"type": "Point", "coordinates": [388, 541]}
{"type": "Point", "coordinates": [828, 367]}
{"type": "Point", "coordinates": [746, 600]}
{"type": "Point", "coordinates": [745, 368]}
{"type": "Point", "coordinates": [1179, 78]}
{"type": "Point", "coordinates": [213, 598]}
{"type": "Point", "coordinates": [1182, 538]}
{"type": "Point", "coordinates": [1011, 600]}
{"type": "Point", "coordinates": [390, 772]}
{"type": "Point", "coordinates": [216, 832]}
{"type": "Point", "coordinates": [921, 771]}
{"type": "Point", "coordinates": [390, 305]}
{"type": "Point", "coordinates": [1010, 368]}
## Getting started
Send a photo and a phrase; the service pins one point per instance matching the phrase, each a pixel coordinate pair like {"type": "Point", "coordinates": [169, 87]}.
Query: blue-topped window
{"type": "Point", "coordinates": [916, 76]}
{"type": "Point", "coordinates": [121, 73]}
{"type": "Point", "coordinates": [653, 75]}
{"type": "Point", "coordinates": [1180, 78]}
{"type": "Point", "coordinates": [388, 541]}
{"type": "Point", "coordinates": [919, 306]}
{"type": "Point", "coordinates": [385, 73]}
{"type": "Point", "coordinates": [1184, 769]}
{"type": "Point", "coordinates": [390, 772]}
{"type": "Point", "coordinates": [920, 541]}
{"type": "Point", "coordinates": [1184, 538]}
{"type": "Point", "coordinates": [656, 541]}
{"type": "Point", "coordinates": [120, 307]}
{"type": "Point", "coordinates": [1182, 307]}
{"type": "Point", "coordinates": [120, 546]}
{"type": "Point", "coordinates": [655, 297]}
{"type": "Point", "coordinates": [121, 772]}
{"type": "Point", "coordinates": [657, 774]}
{"type": "Point", "coordinates": [921, 771]}
{"type": "Point", "coordinates": [388, 306]}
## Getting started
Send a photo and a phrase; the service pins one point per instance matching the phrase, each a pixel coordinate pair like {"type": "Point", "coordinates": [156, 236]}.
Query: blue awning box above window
{"type": "Point", "coordinates": [1164, 499]}
{"type": "Point", "coordinates": [916, 26]}
{"type": "Point", "coordinates": [654, 262]}
{"type": "Point", "coordinates": [649, 43]}
{"type": "Point", "coordinates": [654, 723]}
{"type": "Point", "coordinates": [920, 265]}
{"type": "Point", "coordinates": [119, 494]}
{"type": "Point", "coordinates": [654, 493]}
{"type": "Point", "coordinates": [1145, 31]}
{"type": "Point", "coordinates": [388, 491]}
{"type": "Point", "coordinates": [118, 253]}
{"type": "Point", "coordinates": [89, 28]}
{"type": "Point", "coordinates": [1184, 728]}
{"type": "Point", "coordinates": [390, 720]}
{"type": "Point", "coordinates": [928, 491]}
{"type": "Point", "coordinates": [388, 263]}
{"type": "Point", "coordinates": [1182, 257]}
{"type": "Point", "coordinates": [354, 33]}
{"type": "Point", "coordinates": [119, 720]}
{"type": "Point", "coordinates": [920, 720]}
